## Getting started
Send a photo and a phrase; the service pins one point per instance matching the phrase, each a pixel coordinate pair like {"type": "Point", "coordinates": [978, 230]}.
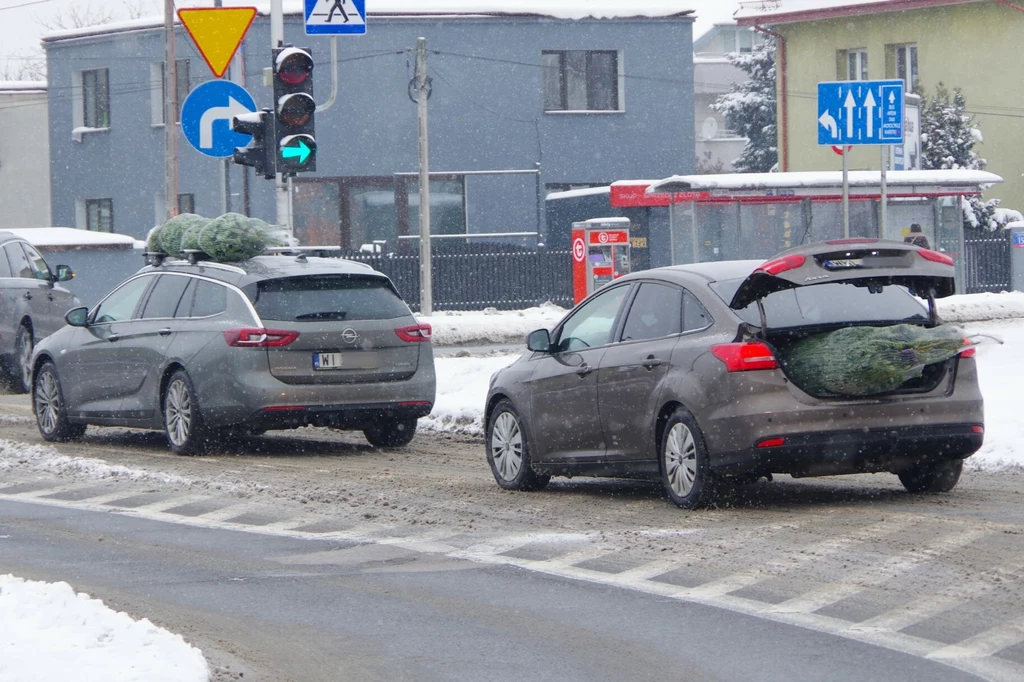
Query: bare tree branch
{"type": "Point", "coordinates": [77, 16]}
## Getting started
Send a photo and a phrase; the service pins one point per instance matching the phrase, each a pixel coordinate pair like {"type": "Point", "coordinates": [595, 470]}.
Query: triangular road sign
{"type": "Point", "coordinates": [217, 32]}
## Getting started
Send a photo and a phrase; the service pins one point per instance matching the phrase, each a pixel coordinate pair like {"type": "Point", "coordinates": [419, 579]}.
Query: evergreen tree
{"type": "Point", "coordinates": [749, 108]}
{"type": "Point", "coordinates": [948, 136]}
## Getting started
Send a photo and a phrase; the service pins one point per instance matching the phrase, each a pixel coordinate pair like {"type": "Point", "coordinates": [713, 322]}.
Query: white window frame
{"type": "Point", "coordinates": [158, 93]}
{"type": "Point", "coordinates": [910, 73]}
{"type": "Point", "coordinates": [859, 70]}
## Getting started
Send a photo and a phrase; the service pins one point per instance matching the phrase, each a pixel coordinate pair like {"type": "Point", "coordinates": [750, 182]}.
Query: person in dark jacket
{"type": "Point", "coordinates": [916, 237]}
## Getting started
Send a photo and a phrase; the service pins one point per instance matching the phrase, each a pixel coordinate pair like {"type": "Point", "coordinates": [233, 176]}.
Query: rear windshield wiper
{"type": "Point", "coordinates": [325, 315]}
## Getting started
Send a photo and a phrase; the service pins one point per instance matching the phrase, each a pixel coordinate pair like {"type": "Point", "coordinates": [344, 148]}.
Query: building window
{"type": "Point", "coordinates": [99, 215]}
{"type": "Point", "coordinates": [158, 88]}
{"type": "Point", "coordinates": [580, 80]}
{"type": "Point", "coordinates": [902, 64]}
{"type": "Point", "coordinates": [853, 65]}
{"type": "Point", "coordinates": [96, 98]}
{"type": "Point", "coordinates": [186, 203]}
{"type": "Point", "coordinates": [740, 40]}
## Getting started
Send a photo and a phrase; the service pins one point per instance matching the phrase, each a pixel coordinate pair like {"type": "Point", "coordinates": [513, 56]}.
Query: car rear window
{"type": "Point", "coordinates": [831, 303]}
{"type": "Point", "coordinates": [328, 297]}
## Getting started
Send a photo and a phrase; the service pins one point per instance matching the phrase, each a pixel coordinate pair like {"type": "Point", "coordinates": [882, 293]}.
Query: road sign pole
{"type": "Point", "coordinates": [846, 194]}
{"type": "Point", "coordinates": [885, 198]}
{"type": "Point", "coordinates": [170, 114]}
{"type": "Point", "coordinates": [281, 202]}
{"type": "Point", "coordinates": [426, 284]}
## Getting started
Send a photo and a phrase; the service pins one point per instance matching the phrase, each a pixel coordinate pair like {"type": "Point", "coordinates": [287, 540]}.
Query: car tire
{"type": "Point", "coordinates": [391, 433]}
{"type": "Point", "coordinates": [21, 367]}
{"type": "Point", "coordinates": [934, 477]}
{"type": "Point", "coordinates": [685, 469]}
{"type": "Point", "coordinates": [186, 432]}
{"type": "Point", "coordinates": [508, 451]}
{"type": "Point", "coordinates": [50, 409]}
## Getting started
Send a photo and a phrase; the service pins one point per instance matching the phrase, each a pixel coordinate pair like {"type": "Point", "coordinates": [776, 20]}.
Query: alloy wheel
{"type": "Point", "coordinates": [24, 342]}
{"type": "Point", "coordinates": [178, 412]}
{"type": "Point", "coordinates": [681, 459]}
{"type": "Point", "coordinates": [47, 400]}
{"type": "Point", "coordinates": [507, 446]}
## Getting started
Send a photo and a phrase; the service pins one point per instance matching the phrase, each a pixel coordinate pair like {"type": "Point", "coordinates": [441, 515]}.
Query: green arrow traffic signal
{"type": "Point", "coordinates": [302, 151]}
{"type": "Point", "coordinates": [297, 153]}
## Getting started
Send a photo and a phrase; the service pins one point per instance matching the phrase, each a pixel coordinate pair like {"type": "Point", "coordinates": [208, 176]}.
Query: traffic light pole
{"type": "Point", "coordinates": [281, 203]}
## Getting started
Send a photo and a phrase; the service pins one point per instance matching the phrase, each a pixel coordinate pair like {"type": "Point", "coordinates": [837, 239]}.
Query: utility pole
{"type": "Point", "coordinates": [170, 114]}
{"type": "Point", "coordinates": [281, 202]}
{"type": "Point", "coordinates": [426, 284]}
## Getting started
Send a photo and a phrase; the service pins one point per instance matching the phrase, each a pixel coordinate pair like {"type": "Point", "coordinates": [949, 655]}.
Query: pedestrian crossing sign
{"type": "Point", "coordinates": [335, 17]}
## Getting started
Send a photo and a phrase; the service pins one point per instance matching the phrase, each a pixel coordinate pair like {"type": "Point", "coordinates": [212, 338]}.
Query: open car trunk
{"type": "Point", "coordinates": [866, 284]}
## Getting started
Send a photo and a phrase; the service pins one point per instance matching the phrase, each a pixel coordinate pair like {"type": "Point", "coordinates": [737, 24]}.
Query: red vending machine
{"type": "Point", "coordinates": [600, 254]}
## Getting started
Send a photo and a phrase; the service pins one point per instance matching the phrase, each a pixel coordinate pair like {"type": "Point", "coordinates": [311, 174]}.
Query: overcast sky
{"type": "Point", "coordinates": [21, 30]}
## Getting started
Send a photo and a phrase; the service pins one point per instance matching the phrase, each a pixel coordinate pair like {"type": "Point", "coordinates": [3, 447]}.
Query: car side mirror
{"type": "Point", "coordinates": [539, 340]}
{"type": "Point", "coordinates": [64, 273]}
{"type": "Point", "coordinates": [77, 317]}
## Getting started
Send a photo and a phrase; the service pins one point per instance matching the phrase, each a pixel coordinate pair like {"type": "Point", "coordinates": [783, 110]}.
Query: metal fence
{"type": "Point", "coordinates": [509, 280]}
{"type": "Point", "coordinates": [986, 261]}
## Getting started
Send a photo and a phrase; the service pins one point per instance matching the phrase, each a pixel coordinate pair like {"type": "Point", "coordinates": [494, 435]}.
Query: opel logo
{"type": "Point", "coordinates": [349, 335]}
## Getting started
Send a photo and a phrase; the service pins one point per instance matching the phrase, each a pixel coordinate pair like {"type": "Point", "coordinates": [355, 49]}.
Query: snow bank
{"type": "Point", "coordinates": [49, 632]}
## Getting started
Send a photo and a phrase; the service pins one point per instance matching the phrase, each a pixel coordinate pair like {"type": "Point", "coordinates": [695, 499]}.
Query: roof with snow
{"type": "Point", "coordinates": [792, 11]}
{"type": "Point", "coordinates": [956, 180]}
{"type": "Point", "coordinates": [70, 238]}
{"type": "Point", "coordinates": [453, 9]}
{"type": "Point", "coordinates": [26, 87]}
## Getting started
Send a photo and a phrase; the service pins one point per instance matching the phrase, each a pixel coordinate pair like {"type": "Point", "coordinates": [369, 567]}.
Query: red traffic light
{"type": "Point", "coordinates": [295, 109]}
{"type": "Point", "coordinates": [293, 66]}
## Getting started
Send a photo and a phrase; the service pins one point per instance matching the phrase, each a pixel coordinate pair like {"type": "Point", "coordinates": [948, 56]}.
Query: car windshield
{"type": "Point", "coordinates": [328, 297]}
{"type": "Point", "coordinates": [831, 303]}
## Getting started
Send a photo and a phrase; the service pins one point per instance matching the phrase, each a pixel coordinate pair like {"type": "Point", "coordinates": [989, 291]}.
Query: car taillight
{"type": "Point", "coordinates": [259, 338]}
{"type": "Point", "coordinates": [771, 443]}
{"type": "Point", "coordinates": [744, 357]}
{"type": "Point", "coordinates": [780, 265]}
{"type": "Point", "coordinates": [977, 428]}
{"type": "Point", "coordinates": [414, 333]}
{"type": "Point", "coordinates": [968, 352]}
{"type": "Point", "coordinates": [935, 256]}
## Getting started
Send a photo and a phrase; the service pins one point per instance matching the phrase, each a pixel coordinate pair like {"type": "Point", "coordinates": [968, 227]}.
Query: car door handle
{"type": "Point", "coordinates": [651, 362]}
{"type": "Point", "coordinates": [583, 370]}
{"type": "Point", "coordinates": [28, 295]}
{"type": "Point", "coordinates": [166, 331]}
{"type": "Point", "coordinates": [49, 296]}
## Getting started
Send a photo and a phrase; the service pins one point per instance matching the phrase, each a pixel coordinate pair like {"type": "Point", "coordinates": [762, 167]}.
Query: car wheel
{"type": "Point", "coordinates": [51, 412]}
{"type": "Point", "coordinates": [21, 372]}
{"type": "Point", "coordinates": [508, 452]}
{"type": "Point", "coordinates": [391, 433]}
{"type": "Point", "coordinates": [685, 470]}
{"type": "Point", "coordinates": [186, 432]}
{"type": "Point", "coordinates": [935, 477]}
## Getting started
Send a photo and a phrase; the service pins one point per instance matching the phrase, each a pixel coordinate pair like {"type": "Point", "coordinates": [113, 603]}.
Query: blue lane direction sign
{"type": "Point", "coordinates": [335, 17]}
{"type": "Point", "coordinates": [860, 112]}
{"type": "Point", "coordinates": [206, 117]}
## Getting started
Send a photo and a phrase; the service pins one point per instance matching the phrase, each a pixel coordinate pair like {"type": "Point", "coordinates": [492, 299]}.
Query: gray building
{"type": "Point", "coordinates": [584, 101]}
{"type": "Point", "coordinates": [24, 161]}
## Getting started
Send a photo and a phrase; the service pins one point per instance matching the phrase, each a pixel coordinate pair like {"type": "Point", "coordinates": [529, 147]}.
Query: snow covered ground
{"type": "Point", "coordinates": [48, 632]}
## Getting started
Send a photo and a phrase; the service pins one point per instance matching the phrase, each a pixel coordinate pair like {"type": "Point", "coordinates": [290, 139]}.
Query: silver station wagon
{"type": "Point", "coordinates": [32, 306]}
{"type": "Point", "coordinates": [206, 349]}
{"type": "Point", "coordinates": [677, 373]}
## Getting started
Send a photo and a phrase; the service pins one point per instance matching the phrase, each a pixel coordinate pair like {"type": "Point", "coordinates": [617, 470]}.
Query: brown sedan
{"type": "Point", "coordinates": [676, 373]}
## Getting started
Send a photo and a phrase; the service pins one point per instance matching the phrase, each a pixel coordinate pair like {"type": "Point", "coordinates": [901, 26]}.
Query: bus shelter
{"type": "Point", "coordinates": [756, 215]}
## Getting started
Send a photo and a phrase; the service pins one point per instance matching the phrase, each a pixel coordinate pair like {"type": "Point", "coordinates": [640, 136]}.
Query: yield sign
{"type": "Point", "coordinates": [217, 32]}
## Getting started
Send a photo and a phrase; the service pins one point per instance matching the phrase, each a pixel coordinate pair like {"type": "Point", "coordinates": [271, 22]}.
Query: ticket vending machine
{"type": "Point", "coordinates": [600, 254]}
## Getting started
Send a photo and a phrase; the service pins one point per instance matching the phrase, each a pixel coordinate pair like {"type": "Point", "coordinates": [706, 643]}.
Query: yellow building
{"type": "Point", "coordinates": [973, 45]}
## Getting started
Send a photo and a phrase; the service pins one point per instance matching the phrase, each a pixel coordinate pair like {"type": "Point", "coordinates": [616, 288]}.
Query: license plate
{"type": "Point", "coordinates": [327, 360]}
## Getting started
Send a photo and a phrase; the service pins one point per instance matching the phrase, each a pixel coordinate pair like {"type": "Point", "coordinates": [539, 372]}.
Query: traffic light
{"type": "Point", "coordinates": [259, 154]}
{"type": "Point", "coordinates": [294, 107]}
